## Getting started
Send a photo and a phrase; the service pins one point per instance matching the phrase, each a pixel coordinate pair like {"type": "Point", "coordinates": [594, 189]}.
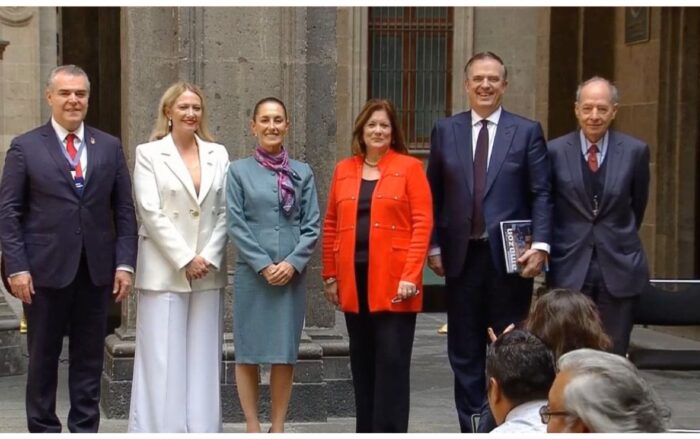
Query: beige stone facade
{"type": "Point", "coordinates": [239, 55]}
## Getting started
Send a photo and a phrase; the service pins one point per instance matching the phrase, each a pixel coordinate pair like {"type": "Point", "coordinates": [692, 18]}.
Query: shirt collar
{"type": "Point", "coordinates": [522, 410]}
{"type": "Point", "coordinates": [62, 132]}
{"type": "Point", "coordinates": [493, 117]}
{"type": "Point", "coordinates": [586, 144]}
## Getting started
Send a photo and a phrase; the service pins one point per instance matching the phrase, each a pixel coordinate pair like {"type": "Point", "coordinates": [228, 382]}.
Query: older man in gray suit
{"type": "Point", "coordinates": [600, 187]}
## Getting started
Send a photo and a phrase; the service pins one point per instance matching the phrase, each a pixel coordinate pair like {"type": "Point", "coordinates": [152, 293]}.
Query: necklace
{"type": "Point", "coordinates": [370, 164]}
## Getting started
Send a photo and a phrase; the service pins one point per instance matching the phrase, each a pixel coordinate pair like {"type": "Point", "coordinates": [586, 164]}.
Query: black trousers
{"type": "Point", "coordinates": [616, 313]}
{"type": "Point", "coordinates": [82, 307]}
{"type": "Point", "coordinates": [380, 358]}
{"type": "Point", "coordinates": [481, 296]}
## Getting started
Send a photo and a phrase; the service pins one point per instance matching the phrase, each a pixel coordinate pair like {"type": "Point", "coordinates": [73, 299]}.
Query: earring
{"type": "Point", "coordinates": [170, 123]}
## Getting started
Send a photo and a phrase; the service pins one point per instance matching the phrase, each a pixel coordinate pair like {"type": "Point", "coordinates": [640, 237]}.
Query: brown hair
{"type": "Point", "coordinates": [566, 320]}
{"type": "Point", "coordinates": [161, 128]}
{"type": "Point", "coordinates": [372, 105]}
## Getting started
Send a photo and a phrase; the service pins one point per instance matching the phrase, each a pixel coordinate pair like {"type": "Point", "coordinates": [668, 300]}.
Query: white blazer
{"type": "Point", "coordinates": [176, 223]}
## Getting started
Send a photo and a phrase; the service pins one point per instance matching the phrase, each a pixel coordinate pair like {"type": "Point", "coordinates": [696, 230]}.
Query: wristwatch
{"type": "Point", "coordinates": [330, 280]}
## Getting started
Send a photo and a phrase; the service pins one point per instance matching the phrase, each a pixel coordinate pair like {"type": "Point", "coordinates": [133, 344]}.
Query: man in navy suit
{"type": "Point", "coordinates": [600, 189]}
{"type": "Point", "coordinates": [68, 234]}
{"type": "Point", "coordinates": [486, 166]}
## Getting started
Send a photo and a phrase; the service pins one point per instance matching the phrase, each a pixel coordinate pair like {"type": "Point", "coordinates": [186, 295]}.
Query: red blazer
{"type": "Point", "coordinates": [401, 224]}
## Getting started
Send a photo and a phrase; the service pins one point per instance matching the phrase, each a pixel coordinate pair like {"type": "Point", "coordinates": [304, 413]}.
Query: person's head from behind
{"type": "Point", "coordinates": [566, 320]}
{"type": "Point", "coordinates": [377, 129]}
{"type": "Point", "coordinates": [67, 93]}
{"type": "Point", "coordinates": [600, 392]}
{"type": "Point", "coordinates": [519, 369]}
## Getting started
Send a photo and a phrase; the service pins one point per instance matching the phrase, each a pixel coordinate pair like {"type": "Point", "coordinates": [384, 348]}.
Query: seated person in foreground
{"type": "Point", "coordinates": [600, 392]}
{"type": "Point", "coordinates": [519, 373]}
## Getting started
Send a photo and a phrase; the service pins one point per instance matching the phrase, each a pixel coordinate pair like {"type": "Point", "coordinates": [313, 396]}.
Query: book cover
{"type": "Point", "coordinates": [516, 236]}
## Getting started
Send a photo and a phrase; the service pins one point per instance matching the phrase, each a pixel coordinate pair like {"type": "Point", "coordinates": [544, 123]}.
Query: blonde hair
{"type": "Point", "coordinates": [161, 128]}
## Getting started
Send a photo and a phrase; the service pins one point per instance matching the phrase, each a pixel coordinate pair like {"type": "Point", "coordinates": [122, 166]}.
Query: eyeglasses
{"type": "Point", "coordinates": [546, 414]}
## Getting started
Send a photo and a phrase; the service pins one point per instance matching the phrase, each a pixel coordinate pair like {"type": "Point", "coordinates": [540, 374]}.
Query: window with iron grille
{"type": "Point", "coordinates": [410, 63]}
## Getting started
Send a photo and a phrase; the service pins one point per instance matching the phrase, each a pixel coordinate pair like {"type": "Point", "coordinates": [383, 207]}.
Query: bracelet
{"type": "Point", "coordinates": [330, 280]}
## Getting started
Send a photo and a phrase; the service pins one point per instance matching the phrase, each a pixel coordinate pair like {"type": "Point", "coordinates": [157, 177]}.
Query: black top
{"type": "Point", "coordinates": [364, 207]}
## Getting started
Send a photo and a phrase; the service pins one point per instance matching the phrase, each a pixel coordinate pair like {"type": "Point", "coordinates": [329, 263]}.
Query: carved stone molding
{"type": "Point", "coordinates": [16, 15]}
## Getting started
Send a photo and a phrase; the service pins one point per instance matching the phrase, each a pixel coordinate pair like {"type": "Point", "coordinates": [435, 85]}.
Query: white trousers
{"type": "Point", "coordinates": [177, 362]}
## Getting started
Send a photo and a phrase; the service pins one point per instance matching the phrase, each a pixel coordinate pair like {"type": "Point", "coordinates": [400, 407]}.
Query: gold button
{"type": "Point", "coordinates": [195, 213]}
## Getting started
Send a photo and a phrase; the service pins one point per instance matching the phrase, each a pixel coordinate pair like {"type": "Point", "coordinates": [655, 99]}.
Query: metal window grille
{"type": "Point", "coordinates": [410, 63]}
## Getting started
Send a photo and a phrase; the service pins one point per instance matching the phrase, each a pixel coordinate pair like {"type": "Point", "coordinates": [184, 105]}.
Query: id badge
{"type": "Point", "coordinates": [79, 181]}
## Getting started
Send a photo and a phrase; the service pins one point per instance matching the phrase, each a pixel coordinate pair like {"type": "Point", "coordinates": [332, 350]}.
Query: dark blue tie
{"type": "Point", "coordinates": [480, 160]}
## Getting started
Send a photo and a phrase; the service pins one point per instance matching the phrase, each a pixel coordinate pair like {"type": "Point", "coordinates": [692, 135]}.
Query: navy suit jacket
{"type": "Point", "coordinates": [614, 231]}
{"type": "Point", "coordinates": [45, 223]}
{"type": "Point", "coordinates": [517, 185]}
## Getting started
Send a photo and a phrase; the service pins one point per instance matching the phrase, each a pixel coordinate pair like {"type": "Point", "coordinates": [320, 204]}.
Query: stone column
{"type": "Point", "coordinates": [237, 56]}
{"type": "Point", "coordinates": [11, 359]}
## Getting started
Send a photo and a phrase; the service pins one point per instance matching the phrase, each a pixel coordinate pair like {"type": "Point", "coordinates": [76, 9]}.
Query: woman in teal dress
{"type": "Point", "coordinates": [273, 220]}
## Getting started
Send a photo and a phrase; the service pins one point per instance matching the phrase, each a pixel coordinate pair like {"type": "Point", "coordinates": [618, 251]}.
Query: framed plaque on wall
{"type": "Point", "coordinates": [636, 25]}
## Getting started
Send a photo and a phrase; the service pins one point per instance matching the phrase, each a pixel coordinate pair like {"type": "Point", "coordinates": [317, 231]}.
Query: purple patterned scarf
{"type": "Point", "coordinates": [280, 164]}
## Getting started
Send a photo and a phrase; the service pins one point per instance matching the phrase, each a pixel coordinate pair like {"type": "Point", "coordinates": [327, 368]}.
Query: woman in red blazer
{"type": "Point", "coordinates": [375, 240]}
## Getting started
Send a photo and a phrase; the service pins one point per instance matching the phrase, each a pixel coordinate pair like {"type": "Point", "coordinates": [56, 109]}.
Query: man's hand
{"type": "Point", "coordinates": [197, 268]}
{"type": "Point", "coordinates": [282, 274]}
{"type": "Point", "coordinates": [123, 281]}
{"type": "Point", "coordinates": [435, 264]}
{"type": "Point", "coordinates": [22, 287]}
{"type": "Point", "coordinates": [533, 261]}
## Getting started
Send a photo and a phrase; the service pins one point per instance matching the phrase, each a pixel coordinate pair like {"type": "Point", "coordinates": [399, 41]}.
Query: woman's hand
{"type": "Point", "coordinates": [279, 274]}
{"type": "Point", "coordinates": [405, 291]}
{"type": "Point", "coordinates": [197, 268]}
{"type": "Point", "coordinates": [492, 334]}
{"type": "Point", "coordinates": [330, 290]}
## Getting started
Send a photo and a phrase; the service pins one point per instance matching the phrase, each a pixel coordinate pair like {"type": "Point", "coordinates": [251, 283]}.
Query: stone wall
{"type": "Point", "coordinates": [21, 84]}
{"type": "Point", "coordinates": [238, 56]}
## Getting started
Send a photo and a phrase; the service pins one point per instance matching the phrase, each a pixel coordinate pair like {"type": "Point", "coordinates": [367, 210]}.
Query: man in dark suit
{"type": "Point", "coordinates": [486, 166]}
{"type": "Point", "coordinates": [600, 188]}
{"type": "Point", "coordinates": [68, 234]}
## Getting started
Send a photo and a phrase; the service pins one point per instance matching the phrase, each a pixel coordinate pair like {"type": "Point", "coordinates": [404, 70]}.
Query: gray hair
{"type": "Point", "coordinates": [608, 395]}
{"type": "Point", "coordinates": [614, 94]}
{"type": "Point", "coordinates": [69, 69]}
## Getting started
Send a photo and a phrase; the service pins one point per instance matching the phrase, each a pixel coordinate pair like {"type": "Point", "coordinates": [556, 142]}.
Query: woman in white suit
{"type": "Point", "coordinates": [179, 181]}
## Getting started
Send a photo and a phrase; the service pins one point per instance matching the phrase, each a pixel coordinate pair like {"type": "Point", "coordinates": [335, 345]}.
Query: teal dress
{"type": "Point", "coordinates": [268, 320]}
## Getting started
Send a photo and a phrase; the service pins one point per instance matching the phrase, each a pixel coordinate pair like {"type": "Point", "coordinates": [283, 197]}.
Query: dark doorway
{"type": "Point", "coordinates": [90, 38]}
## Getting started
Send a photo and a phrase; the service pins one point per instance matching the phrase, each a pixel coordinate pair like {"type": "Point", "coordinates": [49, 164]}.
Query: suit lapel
{"type": "Point", "coordinates": [463, 143]}
{"type": "Point", "coordinates": [93, 151]}
{"type": "Point", "coordinates": [174, 162]}
{"type": "Point", "coordinates": [53, 146]}
{"type": "Point", "coordinates": [613, 157]}
{"type": "Point", "coordinates": [501, 145]}
{"type": "Point", "coordinates": [573, 161]}
{"type": "Point", "coordinates": [206, 160]}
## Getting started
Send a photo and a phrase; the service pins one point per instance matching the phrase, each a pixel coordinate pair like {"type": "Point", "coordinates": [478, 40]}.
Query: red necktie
{"type": "Point", "coordinates": [593, 157]}
{"type": "Point", "coordinates": [70, 147]}
{"type": "Point", "coordinates": [480, 162]}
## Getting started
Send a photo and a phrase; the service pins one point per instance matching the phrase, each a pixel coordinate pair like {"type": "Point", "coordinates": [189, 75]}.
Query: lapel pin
{"type": "Point", "coordinates": [92, 140]}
